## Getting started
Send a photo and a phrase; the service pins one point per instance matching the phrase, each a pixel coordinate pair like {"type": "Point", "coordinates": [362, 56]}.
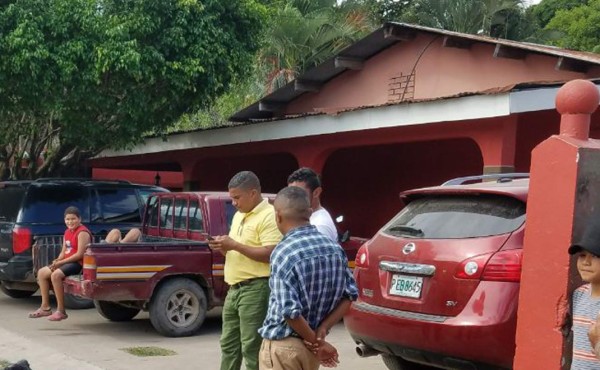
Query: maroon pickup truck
{"type": "Point", "coordinates": [171, 272]}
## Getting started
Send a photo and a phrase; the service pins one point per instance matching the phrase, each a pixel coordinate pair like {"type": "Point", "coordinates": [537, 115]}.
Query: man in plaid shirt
{"type": "Point", "coordinates": [311, 289]}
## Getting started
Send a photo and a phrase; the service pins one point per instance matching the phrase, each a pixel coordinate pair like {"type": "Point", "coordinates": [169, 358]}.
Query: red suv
{"type": "Point", "coordinates": [439, 284]}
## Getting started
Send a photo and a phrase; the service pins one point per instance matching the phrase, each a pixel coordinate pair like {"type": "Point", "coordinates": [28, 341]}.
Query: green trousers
{"type": "Point", "coordinates": [244, 311]}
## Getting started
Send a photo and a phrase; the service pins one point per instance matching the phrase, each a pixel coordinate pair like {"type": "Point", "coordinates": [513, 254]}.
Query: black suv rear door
{"type": "Point", "coordinates": [11, 198]}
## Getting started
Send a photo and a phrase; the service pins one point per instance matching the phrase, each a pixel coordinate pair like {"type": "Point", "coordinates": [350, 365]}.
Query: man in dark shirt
{"type": "Point", "coordinates": [311, 289]}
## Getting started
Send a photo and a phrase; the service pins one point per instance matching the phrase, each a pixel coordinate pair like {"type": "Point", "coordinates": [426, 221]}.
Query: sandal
{"type": "Point", "coordinates": [58, 316]}
{"type": "Point", "coordinates": [40, 313]}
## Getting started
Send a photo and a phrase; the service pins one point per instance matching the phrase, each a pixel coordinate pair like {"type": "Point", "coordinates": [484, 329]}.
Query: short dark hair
{"type": "Point", "coordinates": [246, 180]}
{"type": "Point", "coordinates": [294, 202]}
{"type": "Point", "coordinates": [307, 176]}
{"type": "Point", "coordinates": [72, 210]}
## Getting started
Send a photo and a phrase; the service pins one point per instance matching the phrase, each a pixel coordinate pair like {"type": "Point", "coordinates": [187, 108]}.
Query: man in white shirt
{"type": "Point", "coordinates": [308, 179]}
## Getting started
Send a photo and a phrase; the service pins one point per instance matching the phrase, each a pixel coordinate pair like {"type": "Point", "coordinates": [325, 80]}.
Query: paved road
{"type": "Point", "coordinates": [86, 341]}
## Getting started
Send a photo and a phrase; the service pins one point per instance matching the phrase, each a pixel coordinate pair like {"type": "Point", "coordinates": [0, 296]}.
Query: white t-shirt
{"type": "Point", "coordinates": [322, 220]}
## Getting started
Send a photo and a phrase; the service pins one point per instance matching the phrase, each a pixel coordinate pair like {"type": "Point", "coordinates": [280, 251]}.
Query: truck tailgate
{"type": "Point", "coordinates": [122, 272]}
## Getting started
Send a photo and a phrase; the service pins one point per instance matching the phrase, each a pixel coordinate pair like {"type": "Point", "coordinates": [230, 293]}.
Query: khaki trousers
{"type": "Point", "coordinates": [286, 354]}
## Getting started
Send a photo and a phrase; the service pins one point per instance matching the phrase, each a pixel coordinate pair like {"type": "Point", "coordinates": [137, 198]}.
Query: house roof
{"type": "Point", "coordinates": [389, 34]}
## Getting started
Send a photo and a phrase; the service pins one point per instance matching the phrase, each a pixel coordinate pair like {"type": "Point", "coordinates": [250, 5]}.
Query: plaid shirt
{"type": "Point", "coordinates": [309, 277]}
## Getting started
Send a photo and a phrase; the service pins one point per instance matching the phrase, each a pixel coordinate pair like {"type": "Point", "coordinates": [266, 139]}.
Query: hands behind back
{"type": "Point", "coordinates": [326, 353]}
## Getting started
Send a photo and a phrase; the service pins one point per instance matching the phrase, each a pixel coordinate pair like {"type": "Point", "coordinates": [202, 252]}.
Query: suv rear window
{"type": "Point", "coordinates": [119, 205]}
{"type": "Point", "coordinates": [458, 217]}
{"type": "Point", "coordinates": [47, 204]}
{"type": "Point", "coordinates": [10, 203]}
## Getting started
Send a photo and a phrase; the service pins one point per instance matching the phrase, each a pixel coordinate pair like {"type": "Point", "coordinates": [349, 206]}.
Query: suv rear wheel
{"type": "Point", "coordinates": [114, 311]}
{"type": "Point", "coordinates": [397, 363]}
{"type": "Point", "coordinates": [15, 293]}
{"type": "Point", "coordinates": [77, 303]}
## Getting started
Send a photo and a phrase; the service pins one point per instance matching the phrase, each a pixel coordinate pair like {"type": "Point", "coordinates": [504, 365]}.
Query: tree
{"type": "Point", "coordinates": [484, 17]}
{"type": "Point", "coordinates": [580, 27]}
{"type": "Point", "coordinates": [303, 34]}
{"type": "Point", "coordinates": [546, 9]}
{"type": "Point", "coordinates": [381, 11]}
{"type": "Point", "coordinates": [80, 76]}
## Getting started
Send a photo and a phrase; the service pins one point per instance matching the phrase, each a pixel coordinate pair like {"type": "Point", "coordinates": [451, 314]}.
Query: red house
{"type": "Point", "coordinates": [407, 106]}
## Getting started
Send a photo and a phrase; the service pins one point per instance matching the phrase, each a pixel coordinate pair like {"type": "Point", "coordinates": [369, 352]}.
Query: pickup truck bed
{"type": "Point", "coordinates": [169, 278]}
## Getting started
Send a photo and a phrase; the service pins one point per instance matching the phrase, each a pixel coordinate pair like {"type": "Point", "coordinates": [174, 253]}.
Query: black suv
{"type": "Point", "coordinates": [30, 209]}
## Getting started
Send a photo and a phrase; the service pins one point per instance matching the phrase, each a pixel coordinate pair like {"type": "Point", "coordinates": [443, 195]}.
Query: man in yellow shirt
{"type": "Point", "coordinates": [247, 248]}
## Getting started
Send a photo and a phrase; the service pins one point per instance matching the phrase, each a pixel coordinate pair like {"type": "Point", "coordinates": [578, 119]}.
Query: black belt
{"type": "Point", "coordinates": [246, 282]}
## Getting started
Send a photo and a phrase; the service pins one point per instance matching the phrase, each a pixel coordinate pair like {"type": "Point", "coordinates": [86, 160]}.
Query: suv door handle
{"type": "Point", "coordinates": [410, 268]}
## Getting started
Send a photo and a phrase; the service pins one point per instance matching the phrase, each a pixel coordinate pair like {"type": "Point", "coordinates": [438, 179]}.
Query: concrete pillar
{"type": "Point", "coordinates": [312, 157]}
{"type": "Point", "coordinates": [498, 145]}
{"type": "Point", "coordinates": [564, 187]}
{"type": "Point", "coordinates": [190, 174]}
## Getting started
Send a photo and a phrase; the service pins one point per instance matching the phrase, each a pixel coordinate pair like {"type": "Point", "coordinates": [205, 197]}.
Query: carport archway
{"type": "Point", "coordinates": [363, 183]}
{"type": "Point", "coordinates": [272, 170]}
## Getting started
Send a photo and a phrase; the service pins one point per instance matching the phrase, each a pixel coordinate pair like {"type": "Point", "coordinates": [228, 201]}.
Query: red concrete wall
{"type": "Point", "coordinates": [168, 179]}
{"type": "Point", "coordinates": [439, 71]}
{"type": "Point", "coordinates": [363, 183]}
{"type": "Point", "coordinates": [271, 169]}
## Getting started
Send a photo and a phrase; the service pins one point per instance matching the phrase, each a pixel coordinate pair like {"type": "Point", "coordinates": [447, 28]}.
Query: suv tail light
{"type": "Point", "coordinates": [21, 239]}
{"type": "Point", "coordinates": [362, 257]}
{"type": "Point", "coordinates": [500, 266]}
{"type": "Point", "coordinates": [89, 267]}
{"type": "Point", "coordinates": [504, 266]}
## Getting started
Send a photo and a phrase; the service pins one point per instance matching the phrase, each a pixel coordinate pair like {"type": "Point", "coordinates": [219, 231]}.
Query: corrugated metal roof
{"type": "Point", "coordinates": [375, 43]}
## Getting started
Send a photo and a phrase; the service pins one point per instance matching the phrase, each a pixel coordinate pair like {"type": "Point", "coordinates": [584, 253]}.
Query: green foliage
{"type": "Point", "coordinates": [95, 74]}
{"type": "Point", "coordinates": [580, 27]}
{"type": "Point", "coordinates": [381, 11]}
{"type": "Point", "coordinates": [546, 9]}
{"type": "Point", "coordinates": [495, 18]}
{"type": "Point", "coordinates": [303, 34]}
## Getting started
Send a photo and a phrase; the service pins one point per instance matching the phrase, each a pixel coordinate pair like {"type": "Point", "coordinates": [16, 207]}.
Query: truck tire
{"type": "Point", "coordinates": [16, 293]}
{"type": "Point", "coordinates": [178, 308]}
{"type": "Point", "coordinates": [114, 311]}
{"type": "Point", "coordinates": [77, 303]}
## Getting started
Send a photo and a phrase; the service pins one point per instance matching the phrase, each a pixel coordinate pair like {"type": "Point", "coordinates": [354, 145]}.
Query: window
{"type": "Point", "coordinates": [47, 203]}
{"type": "Point", "coordinates": [457, 217]}
{"type": "Point", "coordinates": [152, 212]}
{"type": "Point", "coordinates": [230, 210]}
{"type": "Point", "coordinates": [146, 191]}
{"type": "Point", "coordinates": [119, 205]}
{"type": "Point", "coordinates": [195, 216]}
{"type": "Point", "coordinates": [10, 202]}
{"type": "Point", "coordinates": [180, 213]}
{"type": "Point", "coordinates": [166, 213]}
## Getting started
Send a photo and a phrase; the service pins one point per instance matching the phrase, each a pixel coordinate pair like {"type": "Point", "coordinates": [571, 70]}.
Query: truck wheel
{"type": "Point", "coordinates": [15, 293]}
{"type": "Point", "coordinates": [77, 303]}
{"type": "Point", "coordinates": [114, 311]}
{"type": "Point", "coordinates": [178, 308]}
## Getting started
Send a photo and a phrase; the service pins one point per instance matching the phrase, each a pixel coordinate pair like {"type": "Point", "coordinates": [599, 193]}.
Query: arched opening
{"type": "Point", "coordinates": [363, 183]}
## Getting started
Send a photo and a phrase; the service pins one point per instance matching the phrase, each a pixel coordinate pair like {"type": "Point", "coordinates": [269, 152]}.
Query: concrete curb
{"type": "Point", "coordinates": [14, 347]}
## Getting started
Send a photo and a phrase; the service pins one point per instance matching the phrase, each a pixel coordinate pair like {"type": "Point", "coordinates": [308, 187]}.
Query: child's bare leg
{"type": "Point", "coordinates": [44, 283]}
{"type": "Point", "coordinates": [133, 236]}
{"type": "Point", "coordinates": [57, 278]}
{"type": "Point", "coordinates": [114, 236]}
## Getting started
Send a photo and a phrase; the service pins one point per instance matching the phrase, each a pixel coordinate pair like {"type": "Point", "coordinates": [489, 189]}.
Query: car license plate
{"type": "Point", "coordinates": [406, 286]}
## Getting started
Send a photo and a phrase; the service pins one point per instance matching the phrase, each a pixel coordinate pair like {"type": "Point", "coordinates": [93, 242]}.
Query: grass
{"type": "Point", "coordinates": [148, 351]}
{"type": "Point", "coordinates": [4, 363]}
